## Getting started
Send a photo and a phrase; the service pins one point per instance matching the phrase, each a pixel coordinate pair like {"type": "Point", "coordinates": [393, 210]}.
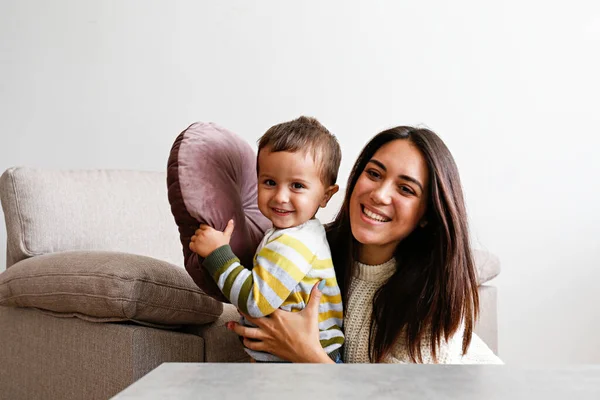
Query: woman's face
{"type": "Point", "coordinates": [389, 200]}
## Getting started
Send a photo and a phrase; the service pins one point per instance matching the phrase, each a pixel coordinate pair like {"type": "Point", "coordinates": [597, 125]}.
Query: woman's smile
{"type": "Point", "coordinates": [373, 215]}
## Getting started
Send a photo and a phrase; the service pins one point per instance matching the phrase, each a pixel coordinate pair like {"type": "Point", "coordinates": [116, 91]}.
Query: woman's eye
{"type": "Point", "coordinates": [372, 173]}
{"type": "Point", "coordinates": [297, 185]}
{"type": "Point", "coordinates": [406, 189]}
{"type": "Point", "coordinates": [270, 182]}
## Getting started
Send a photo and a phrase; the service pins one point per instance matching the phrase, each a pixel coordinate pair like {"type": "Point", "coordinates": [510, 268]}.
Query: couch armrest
{"type": "Point", "coordinates": [487, 325]}
{"type": "Point", "coordinates": [220, 344]}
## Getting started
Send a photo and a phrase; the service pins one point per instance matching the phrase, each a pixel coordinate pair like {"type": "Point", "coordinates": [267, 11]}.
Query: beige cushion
{"type": "Point", "coordinates": [108, 286]}
{"type": "Point", "coordinates": [51, 211]}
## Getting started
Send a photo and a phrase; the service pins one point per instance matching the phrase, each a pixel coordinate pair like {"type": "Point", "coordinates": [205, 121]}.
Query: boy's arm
{"type": "Point", "coordinates": [332, 340]}
{"type": "Point", "coordinates": [280, 265]}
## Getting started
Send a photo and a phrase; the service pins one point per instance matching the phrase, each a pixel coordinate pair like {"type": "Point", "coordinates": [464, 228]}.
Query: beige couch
{"type": "Point", "coordinates": [95, 295]}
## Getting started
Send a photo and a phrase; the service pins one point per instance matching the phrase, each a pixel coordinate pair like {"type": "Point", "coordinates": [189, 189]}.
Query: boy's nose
{"type": "Point", "coordinates": [281, 196]}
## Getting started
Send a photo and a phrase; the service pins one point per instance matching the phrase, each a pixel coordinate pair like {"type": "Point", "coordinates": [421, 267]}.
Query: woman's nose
{"type": "Point", "coordinates": [382, 194]}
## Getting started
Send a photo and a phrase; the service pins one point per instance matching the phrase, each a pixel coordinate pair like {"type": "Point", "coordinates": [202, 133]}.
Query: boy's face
{"type": "Point", "coordinates": [290, 190]}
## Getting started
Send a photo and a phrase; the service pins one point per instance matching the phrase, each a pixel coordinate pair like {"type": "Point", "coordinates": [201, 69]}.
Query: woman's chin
{"type": "Point", "coordinates": [365, 237]}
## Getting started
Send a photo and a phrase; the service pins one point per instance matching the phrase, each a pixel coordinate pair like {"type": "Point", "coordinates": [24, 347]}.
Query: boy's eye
{"type": "Point", "coordinates": [297, 185]}
{"type": "Point", "coordinates": [270, 182]}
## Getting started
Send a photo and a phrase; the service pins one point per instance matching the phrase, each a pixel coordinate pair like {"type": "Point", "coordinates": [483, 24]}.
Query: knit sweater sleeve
{"type": "Point", "coordinates": [449, 352]}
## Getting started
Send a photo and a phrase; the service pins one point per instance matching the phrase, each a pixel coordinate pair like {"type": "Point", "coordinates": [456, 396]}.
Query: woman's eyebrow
{"type": "Point", "coordinates": [405, 177]}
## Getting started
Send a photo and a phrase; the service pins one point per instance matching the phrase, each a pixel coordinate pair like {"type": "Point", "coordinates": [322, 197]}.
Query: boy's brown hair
{"type": "Point", "coordinates": [306, 134]}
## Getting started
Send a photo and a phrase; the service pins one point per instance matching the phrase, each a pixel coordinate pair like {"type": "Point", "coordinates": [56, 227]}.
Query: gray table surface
{"type": "Point", "coordinates": [364, 381]}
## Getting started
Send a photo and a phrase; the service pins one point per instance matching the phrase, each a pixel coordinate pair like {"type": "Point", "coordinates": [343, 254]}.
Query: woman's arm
{"type": "Point", "coordinates": [292, 336]}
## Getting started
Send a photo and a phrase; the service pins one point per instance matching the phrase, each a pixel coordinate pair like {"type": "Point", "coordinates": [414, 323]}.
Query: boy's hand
{"type": "Point", "coordinates": [206, 239]}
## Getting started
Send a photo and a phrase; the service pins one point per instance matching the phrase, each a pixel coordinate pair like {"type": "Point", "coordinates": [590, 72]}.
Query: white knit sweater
{"type": "Point", "coordinates": [366, 280]}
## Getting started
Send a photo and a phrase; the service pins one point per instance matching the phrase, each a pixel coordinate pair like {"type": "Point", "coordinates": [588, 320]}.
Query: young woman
{"type": "Point", "coordinates": [401, 251]}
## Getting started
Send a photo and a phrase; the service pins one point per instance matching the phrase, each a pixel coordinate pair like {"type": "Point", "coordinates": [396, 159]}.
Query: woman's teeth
{"type": "Point", "coordinates": [374, 216]}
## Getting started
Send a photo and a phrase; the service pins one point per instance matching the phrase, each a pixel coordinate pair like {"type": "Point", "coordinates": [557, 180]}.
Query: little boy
{"type": "Point", "coordinates": [297, 164]}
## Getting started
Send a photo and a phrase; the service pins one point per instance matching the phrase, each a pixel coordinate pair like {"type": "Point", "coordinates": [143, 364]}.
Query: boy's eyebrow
{"type": "Point", "coordinates": [300, 180]}
{"type": "Point", "coordinates": [405, 177]}
{"type": "Point", "coordinates": [293, 179]}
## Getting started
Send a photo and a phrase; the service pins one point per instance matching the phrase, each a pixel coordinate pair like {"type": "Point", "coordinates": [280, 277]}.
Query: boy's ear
{"type": "Point", "coordinates": [330, 191]}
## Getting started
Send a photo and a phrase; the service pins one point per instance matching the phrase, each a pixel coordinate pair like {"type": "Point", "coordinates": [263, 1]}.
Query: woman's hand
{"type": "Point", "coordinates": [292, 336]}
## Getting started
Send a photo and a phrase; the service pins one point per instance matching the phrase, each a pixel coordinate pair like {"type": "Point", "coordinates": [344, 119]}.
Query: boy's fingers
{"type": "Point", "coordinates": [201, 230]}
{"type": "Point", "coordinates": [229, 228]}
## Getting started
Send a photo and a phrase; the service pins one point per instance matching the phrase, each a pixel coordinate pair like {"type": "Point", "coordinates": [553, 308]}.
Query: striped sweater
{"type": "Point", "coordinates": [287, 264]}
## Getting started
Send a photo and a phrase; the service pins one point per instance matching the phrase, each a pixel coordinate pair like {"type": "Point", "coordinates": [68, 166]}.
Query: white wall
{"type": "Point", "coordinates": [511, 86]}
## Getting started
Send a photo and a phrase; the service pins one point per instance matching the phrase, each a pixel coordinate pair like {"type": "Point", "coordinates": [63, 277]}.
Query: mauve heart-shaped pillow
{"type": "Point", "coordinates": [211, 178]}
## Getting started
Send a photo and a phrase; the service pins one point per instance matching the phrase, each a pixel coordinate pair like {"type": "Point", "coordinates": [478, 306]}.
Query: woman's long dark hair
{"type": "Point", "coordinates": [434, 288]}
